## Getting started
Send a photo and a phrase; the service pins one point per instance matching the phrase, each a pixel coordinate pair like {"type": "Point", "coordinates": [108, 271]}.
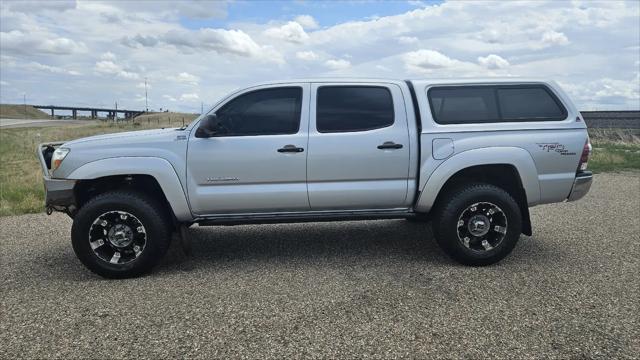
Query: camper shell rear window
{"type": "Point", "coordinates": [494, 104]}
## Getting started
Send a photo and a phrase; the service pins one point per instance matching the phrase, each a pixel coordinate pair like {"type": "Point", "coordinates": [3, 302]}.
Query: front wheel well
{"type": "Point", "coordinates": [504, 176]}
{"type": "Point", "coordinates": [85, 190]}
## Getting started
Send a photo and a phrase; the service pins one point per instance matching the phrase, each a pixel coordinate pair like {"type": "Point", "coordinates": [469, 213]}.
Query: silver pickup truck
{"type": "Point", "coordinates": [471, 156]}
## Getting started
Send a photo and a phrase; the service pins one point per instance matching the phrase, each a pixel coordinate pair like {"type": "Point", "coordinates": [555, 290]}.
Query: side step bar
{"type": "Point", "coordinates": [319, 216]}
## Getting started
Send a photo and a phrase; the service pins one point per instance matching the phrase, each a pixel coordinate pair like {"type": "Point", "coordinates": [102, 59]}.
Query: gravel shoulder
{"type": "Point", "coordinates": [346, 289]}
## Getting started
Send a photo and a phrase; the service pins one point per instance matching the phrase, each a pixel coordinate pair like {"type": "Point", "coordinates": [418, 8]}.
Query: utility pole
{"type": "Point", "coordinates": [24, 101]}
{"type": "Point", "coordinates": [146, 103]}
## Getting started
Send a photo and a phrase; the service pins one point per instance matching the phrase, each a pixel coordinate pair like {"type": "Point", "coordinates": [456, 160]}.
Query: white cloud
{"type": "Point", "coordinates": [307, 55]}
{"type": "Point", "coordinates": [554, 38]}
{"type": "Point", "coordinates": [191, 9]}
{"type": "Point", "coordinates": [407, 40]}
{"type": "Point", "coordinates": [307, 22]}
{"type": "Point", "coordinates": [189, 97]}
{"type": "Point", "coordinates": [493, 61]}
{"type": "Point", "coordinates": [29, 7]}
{"type": "Point", "coordinates": [169, 97]}
{"type": "Point", "coordinates": [291, 32]}
{"type": "Point", "coordinates": [36, 66]}
{"type": "Point", "coordinates": [19, 42]}
{"type": "Point", "coordinates": [108, 56]}
{"type": "Point", "coordinates": [108, 67]}
{"type": "Point", "coordinates": [427, 60]}
{"type": "Point", "coordinates": [4, 83]}
{"type": "Point", "coordinates": [222, 41]}
{"type": "Point", "coordinates": [185, 78]}
{"type": "Point", "coordinates": [142, 85]}
{"type": "Point", "coordinates": [139, 41]}
{"type": "Point", "coordinates": [337, 64]}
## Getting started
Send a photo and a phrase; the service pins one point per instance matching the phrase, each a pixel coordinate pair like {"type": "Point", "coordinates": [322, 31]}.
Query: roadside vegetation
{"type": "Point", "coordinates": [17, 111]}
{"type": "Point", "coordinates": [21, 187]}
{"type": "Point", "coordinates": [614, 150]}
{"type": "Point", "coordinates": [22, 191]}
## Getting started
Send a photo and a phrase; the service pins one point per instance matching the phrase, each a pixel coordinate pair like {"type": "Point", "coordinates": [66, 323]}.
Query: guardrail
{"type": "Point", "coordinates": [612, 119]}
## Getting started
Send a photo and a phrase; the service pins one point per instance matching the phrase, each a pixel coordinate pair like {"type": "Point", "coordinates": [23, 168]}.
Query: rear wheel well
{"type": "Point", "coordinates": [504, 176]}
{"type": "Point", "coordinates": [85, 190]}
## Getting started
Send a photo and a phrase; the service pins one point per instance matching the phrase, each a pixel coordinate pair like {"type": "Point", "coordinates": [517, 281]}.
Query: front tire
{"type": "Point", "coordinates": [121, 234]}
{"type": "Point", "coordinates": [477, 224]}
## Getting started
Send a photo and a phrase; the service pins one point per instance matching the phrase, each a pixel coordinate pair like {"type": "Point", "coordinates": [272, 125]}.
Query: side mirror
{"type": "Point", "coordinates": [208, 127]}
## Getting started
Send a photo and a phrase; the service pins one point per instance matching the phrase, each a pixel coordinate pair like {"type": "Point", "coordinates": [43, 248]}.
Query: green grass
{"type": "Point", "coordinates": [17, 111]}
{"type": "Point", "coordinates": [22, 191]}
{"type": "Point", "coordinates": [608, 156]}
{"type": "Point", "coordinates": [21, 187]}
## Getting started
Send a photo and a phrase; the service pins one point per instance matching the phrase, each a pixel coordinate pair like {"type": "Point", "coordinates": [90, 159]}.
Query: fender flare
{"type": "Point", "coordinates": [160, 169]}
{"type": "Point", "coordinates": [515, 156]}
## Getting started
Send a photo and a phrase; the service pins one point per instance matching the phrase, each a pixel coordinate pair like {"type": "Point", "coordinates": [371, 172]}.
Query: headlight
{"type": "Point", "coordinates": [57, 157]}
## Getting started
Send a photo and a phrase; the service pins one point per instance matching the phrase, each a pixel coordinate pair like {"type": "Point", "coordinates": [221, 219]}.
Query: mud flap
{"type": "Point", "coordinates": [185, 240]}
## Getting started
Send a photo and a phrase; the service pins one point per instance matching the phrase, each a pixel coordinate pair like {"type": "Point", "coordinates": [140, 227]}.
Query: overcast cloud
{"type": "Point", "coordinates": [96, 53]}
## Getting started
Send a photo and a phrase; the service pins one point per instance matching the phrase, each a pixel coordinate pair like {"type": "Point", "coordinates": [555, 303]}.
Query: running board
{"type": "Point", "coordinates": [320, 216]}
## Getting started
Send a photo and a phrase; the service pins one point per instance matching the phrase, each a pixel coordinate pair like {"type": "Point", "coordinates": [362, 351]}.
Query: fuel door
{"type": "Point", "coordinates": [442, 148]}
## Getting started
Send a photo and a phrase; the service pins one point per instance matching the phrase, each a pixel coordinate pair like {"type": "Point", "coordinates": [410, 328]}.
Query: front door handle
{"type": "Point", "coordinates": [389, 145]}
{"type": "Point", "coordinates": [290, 148]}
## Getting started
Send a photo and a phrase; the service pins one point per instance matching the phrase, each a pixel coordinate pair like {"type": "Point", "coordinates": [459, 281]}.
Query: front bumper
{"type": "Point", "coordinates": [581, 186]}
{"type": "Point", "coordinates": [59, 194]}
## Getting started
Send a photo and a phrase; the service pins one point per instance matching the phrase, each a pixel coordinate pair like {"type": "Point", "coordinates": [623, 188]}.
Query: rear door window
{"type": "Point", "coordinates": [494, 104]}
{"type": "Point", "coordinates": [353, 108]}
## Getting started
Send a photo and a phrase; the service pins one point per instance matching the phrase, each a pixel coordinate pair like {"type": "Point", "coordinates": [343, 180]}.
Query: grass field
{"type": "Point", "coordinates": [21, 188]}
{"type": "Point", "coordinates": [11, 111]}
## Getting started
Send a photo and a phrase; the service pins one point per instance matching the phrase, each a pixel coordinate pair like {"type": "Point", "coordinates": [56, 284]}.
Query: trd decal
{"type": "Point", "coordinates": [555, 147]}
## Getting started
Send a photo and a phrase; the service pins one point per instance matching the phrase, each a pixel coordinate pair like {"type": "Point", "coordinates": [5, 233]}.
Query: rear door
{"type": "Point", "coordinates": [358, 151]}
{"type": "Point", "coordinates": [258, 163]}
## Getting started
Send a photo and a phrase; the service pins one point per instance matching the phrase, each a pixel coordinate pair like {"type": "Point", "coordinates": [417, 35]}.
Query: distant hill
{"type": "Point", "coordinates": [16, 111]}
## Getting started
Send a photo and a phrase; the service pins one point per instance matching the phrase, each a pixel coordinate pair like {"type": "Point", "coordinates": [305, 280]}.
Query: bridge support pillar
{"type": "Point", "coordinates": [74, 114]}
{"type": "Point", "coordinates": [52, 115]}
{"type": "Point", "coordinates": [94, 114]}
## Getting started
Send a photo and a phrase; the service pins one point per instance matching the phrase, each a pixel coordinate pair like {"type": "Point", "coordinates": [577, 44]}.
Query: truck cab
{"type": "Point", "coordinates": [471, 156]}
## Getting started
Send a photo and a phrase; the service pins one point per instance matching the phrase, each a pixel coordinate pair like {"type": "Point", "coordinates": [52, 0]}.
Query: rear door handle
{"type": "Point", "coordinates": [389, 145]}
{"type": "Point", "coordinates": [290, 148]}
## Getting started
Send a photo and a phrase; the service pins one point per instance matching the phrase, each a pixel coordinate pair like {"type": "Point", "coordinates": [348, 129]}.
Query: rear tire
{"type": "Point", "coordinates": [477, 224]}
{"type": "Point", "coordinates": [121, 234]}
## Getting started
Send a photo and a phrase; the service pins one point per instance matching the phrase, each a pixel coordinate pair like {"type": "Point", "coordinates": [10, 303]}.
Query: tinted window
{"type": "Point", "coordinates": [462, 105]}
{"type": "Point", "coordinates": [262, 112]}
{"type": "Point", "coordinates": [483, 104]}
{"type": "Point", "coordinates": [353, 108]}
{"type": "Point", "coordinates": [528, 103]}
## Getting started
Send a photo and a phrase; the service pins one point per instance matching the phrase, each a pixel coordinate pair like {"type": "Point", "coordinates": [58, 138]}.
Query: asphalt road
{"type": "Point", "coordinates": [19, 123]}
{"type": "Point", "coordinates": [349, 289]}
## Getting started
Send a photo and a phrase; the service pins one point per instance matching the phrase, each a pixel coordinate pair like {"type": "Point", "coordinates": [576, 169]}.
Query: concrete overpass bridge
{"type": "Point", "coordinates": [111, 113]}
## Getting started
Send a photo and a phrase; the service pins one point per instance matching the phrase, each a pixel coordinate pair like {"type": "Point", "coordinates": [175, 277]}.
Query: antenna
{"type": "Point", "coordinates": [146, 103]}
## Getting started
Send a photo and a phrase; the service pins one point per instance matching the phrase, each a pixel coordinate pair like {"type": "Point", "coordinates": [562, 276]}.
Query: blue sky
{"type": "Point", "coordinates": [326, 13]}
{"type": "Point", "coordinates": [95, 53]}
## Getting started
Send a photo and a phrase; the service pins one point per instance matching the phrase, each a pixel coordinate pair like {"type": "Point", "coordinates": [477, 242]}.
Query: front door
{"type": "Point", "coordinates": [358, 147]}
{"type": "Point", "coordinates": [257, 161]}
